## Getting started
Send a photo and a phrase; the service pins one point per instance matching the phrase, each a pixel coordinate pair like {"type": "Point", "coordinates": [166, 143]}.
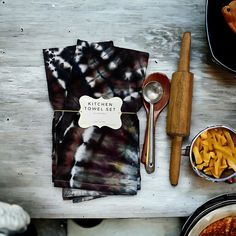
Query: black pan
{"type": "Point", "coordinates": [221, 39]}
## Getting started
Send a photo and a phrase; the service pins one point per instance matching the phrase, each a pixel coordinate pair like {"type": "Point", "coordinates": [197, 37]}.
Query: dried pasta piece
{"type": "Point", "coordinates": [229, 13]}
{"type": "Point", "coordinates": [201, 166]}
{"type": "Point", "coordinates": [197, 155]}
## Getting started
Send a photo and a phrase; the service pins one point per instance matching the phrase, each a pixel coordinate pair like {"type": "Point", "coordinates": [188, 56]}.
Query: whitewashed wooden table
{"type": "Point", "coordinates": [26, 27]}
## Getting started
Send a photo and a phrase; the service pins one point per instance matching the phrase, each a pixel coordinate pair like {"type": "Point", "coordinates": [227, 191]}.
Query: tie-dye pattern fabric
{"type": "Point", "coordinates": [95, 162]}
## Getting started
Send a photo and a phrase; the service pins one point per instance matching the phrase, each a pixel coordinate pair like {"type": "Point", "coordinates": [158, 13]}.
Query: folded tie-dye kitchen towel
{"type": "Point", "coordinates": [99, 161]}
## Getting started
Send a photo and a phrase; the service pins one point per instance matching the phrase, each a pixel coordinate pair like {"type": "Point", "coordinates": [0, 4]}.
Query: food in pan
{"type": "Point", "coordinates": [214, 152]}
{"type": "Point", "coordinates": [229, 13]}
{"type": "Point", "coordinates": [222, 227]}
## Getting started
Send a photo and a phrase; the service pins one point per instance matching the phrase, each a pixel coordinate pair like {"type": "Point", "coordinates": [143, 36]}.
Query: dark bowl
{"type": "Point", "coordinates": [221, 39]}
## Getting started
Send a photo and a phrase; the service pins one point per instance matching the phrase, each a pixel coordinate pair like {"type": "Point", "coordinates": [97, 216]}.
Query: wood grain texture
{"type": "Point", "coordinates": [26, 27]}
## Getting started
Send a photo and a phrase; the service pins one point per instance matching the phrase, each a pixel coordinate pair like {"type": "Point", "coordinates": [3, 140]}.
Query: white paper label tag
{"type": "Point", "coordinates": [100, 112]}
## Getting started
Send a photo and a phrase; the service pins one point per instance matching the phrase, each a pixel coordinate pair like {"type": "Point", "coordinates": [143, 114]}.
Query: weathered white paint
{"type": "Point", "coordinates": [26, 27]}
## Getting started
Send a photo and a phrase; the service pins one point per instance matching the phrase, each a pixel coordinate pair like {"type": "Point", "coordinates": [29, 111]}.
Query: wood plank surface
{"type": "Point", "coordinates": [155, 26]}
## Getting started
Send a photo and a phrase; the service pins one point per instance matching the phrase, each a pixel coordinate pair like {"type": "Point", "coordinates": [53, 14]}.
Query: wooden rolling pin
{"type": "Point", "coordinates": [180, 106]}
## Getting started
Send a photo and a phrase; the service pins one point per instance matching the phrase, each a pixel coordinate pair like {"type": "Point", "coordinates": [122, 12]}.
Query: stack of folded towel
{"type": "Point", "coordinates": [93, 162]}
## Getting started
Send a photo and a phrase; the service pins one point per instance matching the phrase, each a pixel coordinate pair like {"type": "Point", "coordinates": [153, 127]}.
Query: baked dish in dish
{"type": "Point", "coordinates": [222, 227]}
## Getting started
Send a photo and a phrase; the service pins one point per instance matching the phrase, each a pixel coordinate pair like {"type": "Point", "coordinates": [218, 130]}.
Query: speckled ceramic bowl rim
{"type": "Point", "coordinates": [200, 173]}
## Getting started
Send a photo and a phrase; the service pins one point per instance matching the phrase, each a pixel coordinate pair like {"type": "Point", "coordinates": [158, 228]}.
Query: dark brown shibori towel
{"type": "Point", "coordinates": [94, 162]}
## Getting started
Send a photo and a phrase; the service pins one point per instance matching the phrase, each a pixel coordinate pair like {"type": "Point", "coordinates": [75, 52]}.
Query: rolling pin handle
{"type": "Point", "coordinates": [175, 159]}
{"type": "Point", "coordinates": [184, 62]}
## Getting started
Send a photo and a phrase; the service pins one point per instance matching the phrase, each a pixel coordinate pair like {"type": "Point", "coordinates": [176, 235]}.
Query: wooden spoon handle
{"type": "Point", "coordinates": [175, 159]}
{"type": "Point", "coordinates": [144, 151]}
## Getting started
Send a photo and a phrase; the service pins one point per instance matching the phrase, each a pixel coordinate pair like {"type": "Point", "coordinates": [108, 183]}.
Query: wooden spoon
{"type": "Point", "coordinates": [158, 107]}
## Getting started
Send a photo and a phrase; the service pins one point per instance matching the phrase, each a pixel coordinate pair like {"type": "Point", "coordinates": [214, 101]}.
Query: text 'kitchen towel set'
{"type": "Point", "coordinates": [93, 162]}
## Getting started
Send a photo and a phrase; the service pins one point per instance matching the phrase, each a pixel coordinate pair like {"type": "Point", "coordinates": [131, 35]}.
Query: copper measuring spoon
{"type": "Point", "coordinates": [156, 90]}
